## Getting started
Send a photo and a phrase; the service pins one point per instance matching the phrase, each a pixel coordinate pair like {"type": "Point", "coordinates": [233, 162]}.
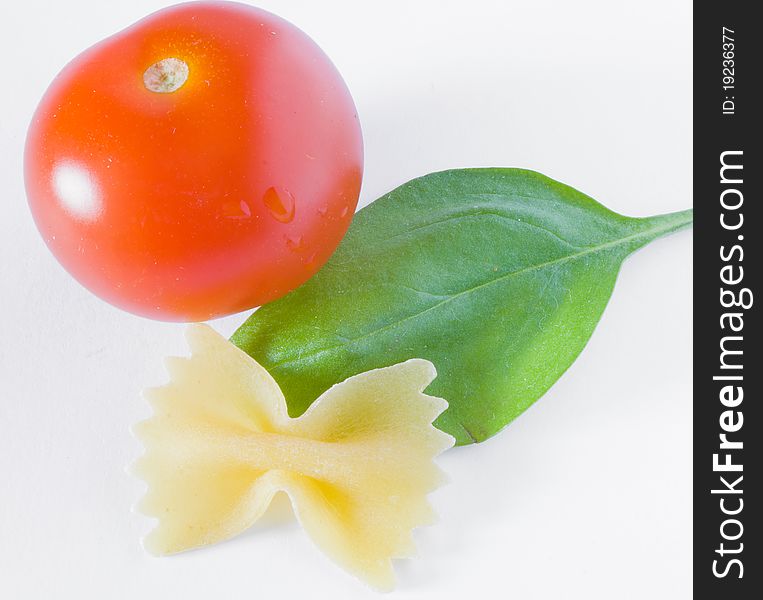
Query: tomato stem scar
{"type": "Point", "coordinates": [166, 76]}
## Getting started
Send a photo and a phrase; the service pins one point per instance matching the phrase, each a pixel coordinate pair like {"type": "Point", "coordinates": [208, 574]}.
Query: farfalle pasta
{"type": "Point", "coordinates": [357, 465]}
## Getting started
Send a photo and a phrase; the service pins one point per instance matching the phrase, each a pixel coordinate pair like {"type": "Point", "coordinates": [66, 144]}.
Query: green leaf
{"type": "Point", "coordinates": [497, 276]}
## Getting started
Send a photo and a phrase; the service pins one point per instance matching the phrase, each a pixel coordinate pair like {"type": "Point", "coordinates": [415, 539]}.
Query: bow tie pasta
{"type": "Point", "coordinates": [357, 465]}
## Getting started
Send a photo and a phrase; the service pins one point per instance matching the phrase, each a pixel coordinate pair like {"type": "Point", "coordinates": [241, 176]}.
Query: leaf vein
{"type": "Point", "coordinates": [471, 214]}
{"type": "Point", "coordinates": [554, 262]}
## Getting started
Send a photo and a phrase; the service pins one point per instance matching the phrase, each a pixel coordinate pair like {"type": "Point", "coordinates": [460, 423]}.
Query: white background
{"type": "Point", "coordinates": [587, 495]}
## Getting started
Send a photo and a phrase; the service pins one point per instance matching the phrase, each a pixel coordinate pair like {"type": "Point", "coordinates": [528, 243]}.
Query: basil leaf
{"type": "Point", "coordinates": [497, 276]}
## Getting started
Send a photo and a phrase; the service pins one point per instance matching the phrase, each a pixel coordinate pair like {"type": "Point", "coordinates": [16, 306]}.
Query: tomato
{"type": "Point", "coordinates": [203, 161]}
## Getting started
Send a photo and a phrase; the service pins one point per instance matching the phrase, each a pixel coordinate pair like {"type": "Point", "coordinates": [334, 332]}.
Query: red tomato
{"type": "Point", "coordinates": [205, 160]}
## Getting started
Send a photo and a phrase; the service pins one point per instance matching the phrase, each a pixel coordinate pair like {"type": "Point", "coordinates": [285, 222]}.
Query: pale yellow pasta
{"type": "Point", "coordinates": [357, 465]}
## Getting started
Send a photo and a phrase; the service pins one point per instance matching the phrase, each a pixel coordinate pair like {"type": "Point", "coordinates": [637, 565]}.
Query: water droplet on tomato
{"type": "Point", "coordinates": [323, 211]}
{"type": "Point", "coordinates": [294, 243]}
{"type": "Point", "coordinates": [280, 202]}
{"type": "Point", "coordinates": [237, 210]}
{"type": "Point", "coordinates": [344, 212]}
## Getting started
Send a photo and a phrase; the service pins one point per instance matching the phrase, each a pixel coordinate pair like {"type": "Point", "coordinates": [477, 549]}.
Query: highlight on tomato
{"type": "Point", "coordinates": [205, 160]}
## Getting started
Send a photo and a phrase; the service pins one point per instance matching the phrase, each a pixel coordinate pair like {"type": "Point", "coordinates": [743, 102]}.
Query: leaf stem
{"type": "Point", "coordinates": [670, 222]}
